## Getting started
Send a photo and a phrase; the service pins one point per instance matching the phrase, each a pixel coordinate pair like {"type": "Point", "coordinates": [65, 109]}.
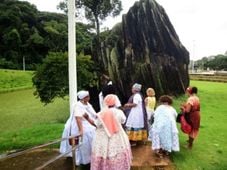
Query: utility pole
{"type": "Point", "coordinates": [23, 63]}
{"type": "Point", "coordinates": [193, 55]}
{"type": "Point", "coordinates": [72, 54]}
{"type": "Point", "coordinates": [72, 61]}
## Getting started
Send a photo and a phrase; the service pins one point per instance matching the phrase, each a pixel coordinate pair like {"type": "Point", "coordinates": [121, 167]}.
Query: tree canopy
{"type": "Point", "coordinates": [27, 33]}
{"type": "Point", "coordinates": [42, 39]}
{"type": "Point", "coordinates": [51, 78]}
{"type": "Point", "coordinates": [96, 11]}
{"type": "Point", "coordinates": [218, 62]}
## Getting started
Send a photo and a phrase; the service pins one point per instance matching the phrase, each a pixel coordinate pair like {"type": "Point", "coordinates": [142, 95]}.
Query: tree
{"type": "Point", "coordinates": [12, 39]}
{"type": "Point", "coordinates": [84, 38]}
{"type": "Point", "coordinates": [51, 77]}
{"type": "Point", "coordinates": [27, 33]}
{"type": "Point", "coordinates": [218, 63]}
{"type": "Point", "coordinates": [96, 11]}
{"type": "Point", "coordinates": [200, 63]}
{"type": "Point", "coordinates": [56, 35]}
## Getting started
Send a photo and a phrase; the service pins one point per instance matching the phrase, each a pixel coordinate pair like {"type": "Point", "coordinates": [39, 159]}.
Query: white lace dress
{"type": "Point", "coordinates": [83, 153]}
{"type": "Point", "coordinates": [164, 132]}
{"type": "Point", "coordinates": [111, 153]}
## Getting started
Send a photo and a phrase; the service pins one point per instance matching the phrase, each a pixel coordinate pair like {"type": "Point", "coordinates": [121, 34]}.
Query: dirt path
{"type": "Point", "coordinates": [143, 159]}
{"type": "Point", "coordinates": [35, 159]}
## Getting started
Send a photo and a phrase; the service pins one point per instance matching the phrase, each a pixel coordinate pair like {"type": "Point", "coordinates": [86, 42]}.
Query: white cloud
{"type": "Point", "coordinates": [199, 25]}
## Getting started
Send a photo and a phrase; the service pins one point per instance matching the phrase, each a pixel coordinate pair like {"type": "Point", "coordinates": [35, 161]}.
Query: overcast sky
{"type": "Point", "coordinates": [200, 24]}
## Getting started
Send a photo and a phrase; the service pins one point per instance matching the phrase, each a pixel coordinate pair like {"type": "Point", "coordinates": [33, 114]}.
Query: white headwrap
{"type": "Point", "coordinates": [137, 86]}
{"type": "Point", "coordinates": [82, 94]}
{"type": "Point", "coordinates": [110, 83]}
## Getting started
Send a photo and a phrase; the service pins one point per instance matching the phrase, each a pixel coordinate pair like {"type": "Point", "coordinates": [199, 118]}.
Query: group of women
{"type": "Point", "coordinates": [107, 145]}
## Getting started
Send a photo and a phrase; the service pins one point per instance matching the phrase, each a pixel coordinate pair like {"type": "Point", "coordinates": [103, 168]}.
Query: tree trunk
{"type": "Point", "coordinates": [98, 54]}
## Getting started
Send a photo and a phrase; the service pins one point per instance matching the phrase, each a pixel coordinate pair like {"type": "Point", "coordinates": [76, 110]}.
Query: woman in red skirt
{"type": "Point", "coordinates": [192, 113]}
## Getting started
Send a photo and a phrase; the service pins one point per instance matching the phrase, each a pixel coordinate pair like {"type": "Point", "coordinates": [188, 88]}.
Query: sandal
{"type": "Point", "coordinates": [159, 154]}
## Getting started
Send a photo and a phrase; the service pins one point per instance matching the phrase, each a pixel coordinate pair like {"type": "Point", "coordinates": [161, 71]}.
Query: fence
{"type": "Point", "coordinates": [209, 77]}
{"type": "Point", "coordinates": [74, 146]}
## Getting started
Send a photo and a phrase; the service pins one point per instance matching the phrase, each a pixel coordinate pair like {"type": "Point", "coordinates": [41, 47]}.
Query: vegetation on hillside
{"type": "Point", "coordinates": [11, 80]}
{"type": "Point", "coordinates": [40, 39]}
{"type": "Point", "coordinates": [26, 33]}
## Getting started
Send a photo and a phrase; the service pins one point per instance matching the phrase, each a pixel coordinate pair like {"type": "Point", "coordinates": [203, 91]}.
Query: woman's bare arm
{"type": "Point", "coordinates": [89, 119]}
{"type": "Point", "coordinates": [79, 124]}
{"type": "Point", "coordinates": [130, 105]}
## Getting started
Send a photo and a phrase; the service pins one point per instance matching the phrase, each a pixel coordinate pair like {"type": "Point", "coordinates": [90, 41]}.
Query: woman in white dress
{"type": "Point", "coordinates": [111, 148]}
{"type": "Point", "coordinates": [79, 126]}
{"type": "Point", "coordinates": [136, 125]}
{"type": "Point", "coordinates": [164, 130]}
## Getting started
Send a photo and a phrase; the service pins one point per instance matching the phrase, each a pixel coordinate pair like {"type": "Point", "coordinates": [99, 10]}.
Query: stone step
{"type": "Point", "coordinates": [145, 159]}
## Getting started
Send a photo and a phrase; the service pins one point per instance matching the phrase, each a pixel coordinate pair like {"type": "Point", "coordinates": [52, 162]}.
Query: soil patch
{"type": "Point", "coordinates": [143, 159]}
{"type": "Point", "coordinates": [35, 159]}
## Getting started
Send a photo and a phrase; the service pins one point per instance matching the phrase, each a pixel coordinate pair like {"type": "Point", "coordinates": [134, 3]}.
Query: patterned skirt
{"type": "Point", "coordinates": [136, 134]}
{"type": "Point", "coordinates": [112, 153]}
{"type": "Point", "coordinates": [165, 140]}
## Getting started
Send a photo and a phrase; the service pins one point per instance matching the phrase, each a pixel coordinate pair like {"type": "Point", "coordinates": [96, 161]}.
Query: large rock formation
{"type": "Point", "coordinates": [145, 48]}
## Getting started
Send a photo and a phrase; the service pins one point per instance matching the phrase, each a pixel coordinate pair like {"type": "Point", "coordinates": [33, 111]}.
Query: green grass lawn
{"type": "Point", "coordinates": [25, 121]}
{"type": "Point", "coordinates": [210, 148]}
{"type": "Point", "coordinates": [15, 79]}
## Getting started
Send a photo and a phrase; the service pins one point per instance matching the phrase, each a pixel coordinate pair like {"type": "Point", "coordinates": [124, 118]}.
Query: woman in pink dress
{"type": "Point", "coordinates": [192, 113]}
{"type": "Point", "coordinates": [111, 148]}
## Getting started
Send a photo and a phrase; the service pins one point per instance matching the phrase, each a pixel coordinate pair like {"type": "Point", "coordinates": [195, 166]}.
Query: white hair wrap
{"type": "Point", "coordinates": [137, 86]}
{"type": "Point", "coordinates": [82, 94]}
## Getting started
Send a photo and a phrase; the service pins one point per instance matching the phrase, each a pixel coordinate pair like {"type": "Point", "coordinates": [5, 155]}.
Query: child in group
{"type": "Point", "coordinates": [150, 102]}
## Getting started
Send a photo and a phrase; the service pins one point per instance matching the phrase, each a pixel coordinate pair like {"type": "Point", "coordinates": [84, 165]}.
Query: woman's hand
{"type": "Point", "coordinates": [129, 105]}
{"type": "Point", "coordinates": [126, 105]}
{"type": "Point", "coordinates": [182, 107]}
{"type": "Point", "coordinates": [86, 116]}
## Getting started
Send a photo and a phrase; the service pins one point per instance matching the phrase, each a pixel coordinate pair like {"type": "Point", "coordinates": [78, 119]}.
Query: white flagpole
{"type": "Point", "coordinates": [72, 54]}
